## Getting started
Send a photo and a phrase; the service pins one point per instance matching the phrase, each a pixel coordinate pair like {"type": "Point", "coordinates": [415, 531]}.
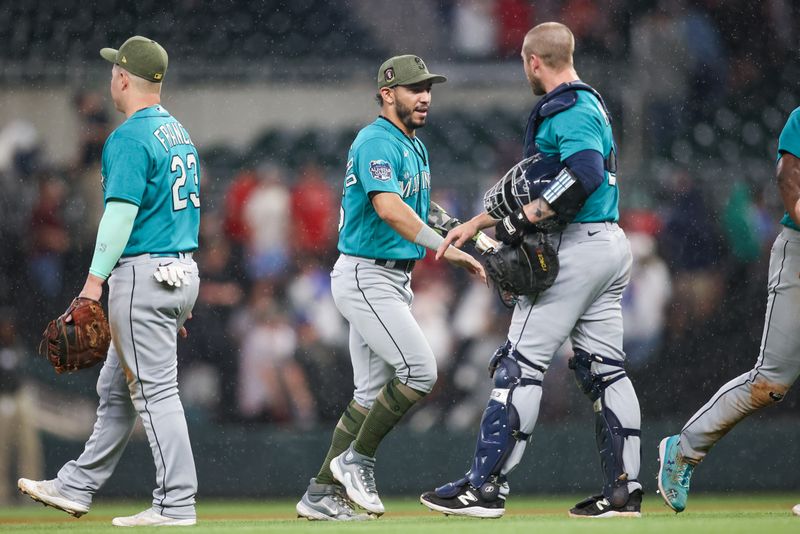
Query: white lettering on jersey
{"type": "Point", "coordinates": [172, 134]}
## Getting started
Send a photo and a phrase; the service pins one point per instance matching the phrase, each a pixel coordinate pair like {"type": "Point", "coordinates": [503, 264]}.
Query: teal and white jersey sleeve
{"type": "Point", "coordinates": [789, 141]}
{"type": "Point", "coordinates": [150, 161]}
{"type": "Point", "coordinates": [382, 159]}
{"type": "Point", "coordinates": [584, 126]}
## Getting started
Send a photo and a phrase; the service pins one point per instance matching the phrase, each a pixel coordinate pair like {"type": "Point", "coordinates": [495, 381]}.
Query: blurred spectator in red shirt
{"type": "Point", "coordinates": [235, 198]}
{"type": "Point", "coordinates": [515, 18]}
{"type": "Point", "coordinates": [313, 210]}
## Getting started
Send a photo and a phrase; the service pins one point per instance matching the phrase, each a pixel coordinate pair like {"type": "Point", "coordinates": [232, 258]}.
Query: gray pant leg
{"type": "Point", "coordinates": [600, 331]}
{"type": "Point", "coordinates": [370, 371]}
{"type": "Point", "coordinates": [620, 398]}
{"type": "Point", "coordinates": [145, 318]}
{"type": "Point", "coordinates": [585, 305]}
{"type": "Point", "coordinates": [777, 367]}
{"type": "Point", "coordinates": [577, 303]}
{"type": "Point", "coordinates": [526, 400]}
{"type": "Point", "coordinates": [80, 479]}
{"type": "Point", "coordinates": [376, 302]}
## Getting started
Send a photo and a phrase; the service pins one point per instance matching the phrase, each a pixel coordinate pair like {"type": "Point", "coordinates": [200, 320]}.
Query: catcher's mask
{"type": "Point", "coordinates": [523, 183]}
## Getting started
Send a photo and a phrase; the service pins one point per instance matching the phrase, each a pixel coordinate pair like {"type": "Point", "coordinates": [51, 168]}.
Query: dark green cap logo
{"type": "Point", "coordinates": [140, 56]}
{"type": "Point", "coordinates": [405, 70]}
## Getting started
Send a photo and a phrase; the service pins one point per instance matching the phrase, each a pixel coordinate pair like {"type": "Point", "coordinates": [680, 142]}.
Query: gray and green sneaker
{"type": "Point", "coordinates": [674, 474]}
{"type": "Point", "coordinates": [327, 502]}
{"type": "Point", "coordinates": [356, 473]}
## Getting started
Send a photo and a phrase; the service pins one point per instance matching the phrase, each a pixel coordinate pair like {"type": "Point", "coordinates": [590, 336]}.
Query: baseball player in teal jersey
{"type": "Point", "coordinates": [385, 200]}
{"type": "Point", "coordinates": [569, 131]}
{"type": "Point", "coordinates": [778, 363]}
{"type": "Point", "coordinates": [151, 183]}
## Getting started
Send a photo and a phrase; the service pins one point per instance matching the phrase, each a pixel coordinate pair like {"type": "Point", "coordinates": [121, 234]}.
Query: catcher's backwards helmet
{"type": "Point", "coordinates": [523, 183]}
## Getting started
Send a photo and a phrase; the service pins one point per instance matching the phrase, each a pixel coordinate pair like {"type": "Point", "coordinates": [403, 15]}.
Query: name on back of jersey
{"type": "Point", "coordinates": [172, 134]}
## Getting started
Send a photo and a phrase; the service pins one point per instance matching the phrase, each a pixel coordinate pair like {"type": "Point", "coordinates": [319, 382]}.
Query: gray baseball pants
{"type": "Point", "coordinates": [385, 339]}
{"type": "Point", "coordinates": [584, 305]}
{"type": "Point", "coordinates": [777, 366]}
{"type": "Point", "coordinates": [140, 378]}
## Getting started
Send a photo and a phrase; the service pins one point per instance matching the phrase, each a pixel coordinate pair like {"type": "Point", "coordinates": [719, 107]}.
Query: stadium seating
{"type": "Point", "coordinates": [71, 30]}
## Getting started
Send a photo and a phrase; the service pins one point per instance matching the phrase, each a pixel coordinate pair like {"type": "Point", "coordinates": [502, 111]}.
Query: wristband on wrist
{"type": "Point", "coordinates": [428, 238]}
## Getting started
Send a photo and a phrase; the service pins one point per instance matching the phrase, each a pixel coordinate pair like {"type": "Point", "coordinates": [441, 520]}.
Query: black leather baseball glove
{"type": "Point", "coordinates": [525, 269]}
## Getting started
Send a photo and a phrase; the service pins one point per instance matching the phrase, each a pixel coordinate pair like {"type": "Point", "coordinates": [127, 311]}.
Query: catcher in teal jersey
{"type": "Point", "coordinates": [385, 200]}
{"type": "Point", "coordinates": [568, 195]}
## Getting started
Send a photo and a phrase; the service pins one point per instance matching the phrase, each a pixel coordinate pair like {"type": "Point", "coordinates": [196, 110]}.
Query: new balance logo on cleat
{"type": "Point", "coordinates": [467, 498]}
{"type": "Point", "coordinates": [599, 507]}
{"type": "Point", "coordinates": [467, 502]}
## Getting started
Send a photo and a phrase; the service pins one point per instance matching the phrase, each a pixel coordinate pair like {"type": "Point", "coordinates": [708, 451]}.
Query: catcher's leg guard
{"type": "Point", "coordinates": [500, 438]}
{"type": "Point", "coordinates": [610, 434]}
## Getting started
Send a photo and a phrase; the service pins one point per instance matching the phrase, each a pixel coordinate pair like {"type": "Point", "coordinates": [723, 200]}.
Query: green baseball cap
{"type": "Point", "coordinates": [405, 70]}
{"type": "Point", "coordinates": [140, 56]}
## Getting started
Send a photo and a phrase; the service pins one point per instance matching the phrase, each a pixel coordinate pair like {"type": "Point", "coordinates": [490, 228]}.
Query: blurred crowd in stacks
{"type": "Point", "coordinates": [266, 342]}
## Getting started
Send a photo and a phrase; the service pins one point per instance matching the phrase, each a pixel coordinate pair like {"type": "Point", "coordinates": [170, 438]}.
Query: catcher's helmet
{"type": "Point", "coordinates": [523, 183]}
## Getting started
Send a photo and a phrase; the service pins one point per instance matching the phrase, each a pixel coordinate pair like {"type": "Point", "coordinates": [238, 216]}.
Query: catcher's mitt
{"type": "Point", "coordinates": [80, 343]}
{"type": "Point", "coordinates": [526, 269]}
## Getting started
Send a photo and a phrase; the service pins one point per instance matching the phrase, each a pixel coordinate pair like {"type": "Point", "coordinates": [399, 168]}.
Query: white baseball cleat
{"type": "Point", "coordinates": [356, 473]}
{"type": "Point", "coordinates": [327, 502]}
{"type": "Point", "coordinates": [151, 518]}
{"type": "Point", "coordinates": [45, 492]}
{"type": "Point", "coordinates": [796, 509]}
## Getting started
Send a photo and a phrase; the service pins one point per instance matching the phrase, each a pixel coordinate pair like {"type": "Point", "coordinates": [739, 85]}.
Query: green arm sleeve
{"type": "Point", "coordinates": [112, 236]}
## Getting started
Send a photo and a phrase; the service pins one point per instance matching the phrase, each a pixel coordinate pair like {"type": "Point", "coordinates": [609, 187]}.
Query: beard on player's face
{"type": "Point", "coordinates": [411, 104]}
{"type": "Point", "coordinates": [406, 114]}
{"type": "Point", "coordinates": [536, 85]}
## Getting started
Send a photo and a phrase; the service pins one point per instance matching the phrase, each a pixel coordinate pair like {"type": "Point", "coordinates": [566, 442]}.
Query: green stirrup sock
{"type": "Point", "coordinates": [393, 401]}
{"type": "Point", "coordinates": [343, 435]}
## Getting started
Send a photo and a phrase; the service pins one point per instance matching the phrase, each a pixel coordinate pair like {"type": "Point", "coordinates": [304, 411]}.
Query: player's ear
{"type": "Point", "coordinates": [125, 78]}
{"type": "Point", "coordinates": [535, 62]}
{"type": "Point", "coordinates": [388, 95]}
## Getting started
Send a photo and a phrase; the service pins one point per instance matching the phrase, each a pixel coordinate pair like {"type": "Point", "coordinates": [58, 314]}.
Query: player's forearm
{"type": "Point", "coordinates": [482, 221]}
{"type": "Point", "coordinates": [788, 174]}
{"type": "Point", "coordinates": [112, 236]}
{"type": "Point", "coordinates": [404, 220]}
{"type": "Point", "coordinates": [538, 210]}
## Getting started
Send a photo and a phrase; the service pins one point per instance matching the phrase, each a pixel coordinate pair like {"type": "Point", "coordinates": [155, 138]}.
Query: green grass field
{"type": "Point", "coordinates": [759, 514]}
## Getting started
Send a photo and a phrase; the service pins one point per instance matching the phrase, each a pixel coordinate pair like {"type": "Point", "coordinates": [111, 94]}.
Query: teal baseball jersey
{"type": "Point", "coordinates": [150, 161]}
{"type": "Point", "coordinates": [382, 159]}
{"type": "Point", "coordinates": [789, 141]}
{"type": "Point", "coordinates": [584, 126]}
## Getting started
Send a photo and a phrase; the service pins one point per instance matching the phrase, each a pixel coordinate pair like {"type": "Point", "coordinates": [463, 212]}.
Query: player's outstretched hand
{"type": "Point", "coordinates": [462, 259]}
{"type": "Point", "coordinates": [457, 237]}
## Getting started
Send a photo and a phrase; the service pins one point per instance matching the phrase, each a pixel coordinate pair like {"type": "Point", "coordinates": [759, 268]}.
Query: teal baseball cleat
{"type": "Point", "coordinates": [674, 474]}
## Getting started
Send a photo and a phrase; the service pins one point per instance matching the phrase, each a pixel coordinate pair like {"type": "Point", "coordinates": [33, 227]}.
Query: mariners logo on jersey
{"type": "Point", "coordinates": [382, 159]}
